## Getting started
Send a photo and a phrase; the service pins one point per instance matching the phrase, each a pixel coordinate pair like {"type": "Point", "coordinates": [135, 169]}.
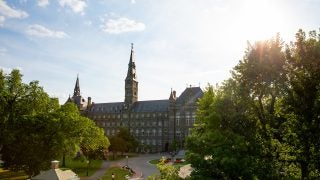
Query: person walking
{"type": "Point", "coordinates": [113, 176]}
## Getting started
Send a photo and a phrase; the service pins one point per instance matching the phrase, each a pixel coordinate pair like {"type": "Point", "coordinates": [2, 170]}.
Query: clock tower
{"type": "Point", "coordinates": [131, 83]}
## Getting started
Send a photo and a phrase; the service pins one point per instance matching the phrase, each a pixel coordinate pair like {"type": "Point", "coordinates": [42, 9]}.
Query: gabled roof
{"type": "Point", "coordinates": [113, 107]}
{"type": "Point", "coordinates": [56, 174]}
{"type": "Point", "coordinates": [151, 106]}
{"type": "Point", "coordinates": [190, 96]}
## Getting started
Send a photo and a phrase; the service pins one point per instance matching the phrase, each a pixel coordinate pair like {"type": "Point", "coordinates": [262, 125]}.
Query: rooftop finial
{"type": "Point", "coordinates": [131, 46]}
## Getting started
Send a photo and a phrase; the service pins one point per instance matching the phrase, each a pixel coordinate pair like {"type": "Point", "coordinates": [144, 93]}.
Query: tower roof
{"type": "Point", "coordinates": [131, 66]}
{"type": "Point", "coordinates": [76, 91]}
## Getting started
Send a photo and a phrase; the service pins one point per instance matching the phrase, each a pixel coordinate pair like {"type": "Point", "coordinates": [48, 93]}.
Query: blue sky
{"type": "Point", "coordinates": [177, 43]}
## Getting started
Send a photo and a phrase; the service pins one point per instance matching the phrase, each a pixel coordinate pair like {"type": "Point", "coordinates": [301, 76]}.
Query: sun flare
{"type": "Point", "coordinates": [261, 19]}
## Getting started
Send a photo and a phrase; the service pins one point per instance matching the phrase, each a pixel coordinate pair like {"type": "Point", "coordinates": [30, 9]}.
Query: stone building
{"type": "Point", "coordinates": [155, 123]}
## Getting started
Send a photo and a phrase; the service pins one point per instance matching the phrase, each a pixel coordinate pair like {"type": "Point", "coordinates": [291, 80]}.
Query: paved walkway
{"type": "Point", "coordinates": [99, 173]}
{"type": "Point", "coordinates": [139, 164]}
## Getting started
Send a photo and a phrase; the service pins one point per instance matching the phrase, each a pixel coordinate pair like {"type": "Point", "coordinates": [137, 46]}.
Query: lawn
{"type": "Point", "coordinates": [6, 174]}
{"type": "Point", "coordinates": [177, 165]}
{"type": "Point", "coordinates": [80, 166]}
{"type": "Point", "coordinates": [77, 166]}
{"type": "Point", "coordinates": [154, 161]}
{"type": "Point", "coordinates": [117, 171]}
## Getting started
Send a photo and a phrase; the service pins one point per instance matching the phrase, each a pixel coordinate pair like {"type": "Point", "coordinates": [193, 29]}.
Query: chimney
{"type": "Point", "coordinates": [54, 164]}
{"type": "Point", "coordinates": [89, 101]}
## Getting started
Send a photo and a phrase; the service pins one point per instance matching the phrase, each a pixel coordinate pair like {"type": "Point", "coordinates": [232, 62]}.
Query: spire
{"type": "Point", "coordinates": [171, 95]}
{"type": "Point", "coordinates": [131, 66]}
{"type": "Point", "coordinates": [131, 62]}
{"type": "Point", "coordinates": [76, 91]}
{"type": "Point", "coordinates": [131, 54]}
{"type": "Point", "coordinates": [131, 83]}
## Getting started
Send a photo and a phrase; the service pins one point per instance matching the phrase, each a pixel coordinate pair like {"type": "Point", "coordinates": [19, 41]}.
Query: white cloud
{"type": "Point", "coordinates": [2, 19]}
{"type": "Point", "coordinates": [121, 25]}
{"type": "Point", "coordinates": [77, 6]}
{"type": "Point", "coordinates": [41, 31]}
{"type": "Point", "coordinates": [43, 3]}
{"type": "Point", "coordinates": [3, 51]}
{"type": "Point", "coordinates": [10, 12]}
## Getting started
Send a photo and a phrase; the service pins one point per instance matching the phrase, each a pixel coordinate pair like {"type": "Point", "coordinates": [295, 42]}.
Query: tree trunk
{"type": "Point", "coordinates": [64, 160]}
{"type": "Point", "coordinates": [304, 170]}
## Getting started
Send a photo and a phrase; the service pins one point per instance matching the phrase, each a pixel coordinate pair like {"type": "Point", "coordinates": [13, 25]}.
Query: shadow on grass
{"type": "Point", "coordinates": [6, 174]}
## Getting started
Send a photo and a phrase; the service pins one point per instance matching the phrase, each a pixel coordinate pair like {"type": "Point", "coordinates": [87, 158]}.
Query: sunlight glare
{"type": "Point", "coordinates": [261, 20]}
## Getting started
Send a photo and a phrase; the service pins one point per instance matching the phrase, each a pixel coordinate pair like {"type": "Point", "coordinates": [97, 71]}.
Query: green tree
{"type": "Point", "coordinates": [225, 151]}
{"type": "Point", "coordinates": [35, 130]}
{"type": "Point", "coordinates": [131, 142]}
{"type": "Point", "coordinates": [167, 171]}
{"type": "Point", "coordinates": [117, 144]}
{"type": "Point", "coordinates": [93, 139]}
{"type": "Point", "coordinates": [303, 101]}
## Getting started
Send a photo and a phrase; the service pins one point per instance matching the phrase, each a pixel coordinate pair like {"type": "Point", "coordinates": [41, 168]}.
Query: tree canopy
{"type": "Point", "coordinates": [263, 122]}
{"type": "Point", "coordinates": [35, 129]}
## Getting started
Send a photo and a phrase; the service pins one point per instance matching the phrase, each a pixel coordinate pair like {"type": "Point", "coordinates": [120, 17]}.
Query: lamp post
{"type": "Point", "coordinates": [127, 160]}
{"type": "Point", "coordinates": [88, 167]}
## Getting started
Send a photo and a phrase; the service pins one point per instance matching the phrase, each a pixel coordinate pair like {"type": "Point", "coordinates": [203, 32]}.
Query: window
{"type": "Point", "coordinates": [159, 132]}
{"type": "Point", "coordinates": [159, 123]}
{"type": "Point", "coordinates": [154, 132]}
{"type": "Point", "coordinates": [178, 133]}
{"type": "Point", "coordinates": [137, 132]}
{"type": "Point", "coordinates": [187, 121]}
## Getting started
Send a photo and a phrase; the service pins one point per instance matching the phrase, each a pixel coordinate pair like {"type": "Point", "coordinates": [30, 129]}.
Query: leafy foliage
{"type": "Point", "coordinates": [124, 141]}
{"type": "Point", "coordinates": [264, 121]}
{"type": "Point", "coordinates": [167, 171]}
{"type": "Point", "coordinates": [35, 129]}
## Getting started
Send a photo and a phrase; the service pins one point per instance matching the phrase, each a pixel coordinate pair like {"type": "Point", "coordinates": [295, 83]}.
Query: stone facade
{"type": "Point", "coordinates": [155, 123]}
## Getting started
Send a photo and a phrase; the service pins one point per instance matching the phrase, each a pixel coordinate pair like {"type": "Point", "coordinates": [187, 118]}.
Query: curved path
{"type": "Point", "coordinates": [139, 164]}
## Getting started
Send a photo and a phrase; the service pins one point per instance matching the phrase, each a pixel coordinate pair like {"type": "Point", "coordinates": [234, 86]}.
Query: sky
{"type": "Point", "coordinates": [177, 43]}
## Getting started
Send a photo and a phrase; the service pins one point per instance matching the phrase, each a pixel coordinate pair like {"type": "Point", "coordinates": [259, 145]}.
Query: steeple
{"type": "Point", "coordinates": [131, 83]}
{"type": "Point", "coordinates": [76, 91]}
{"type": "Point", "coordinates": [131, 66]}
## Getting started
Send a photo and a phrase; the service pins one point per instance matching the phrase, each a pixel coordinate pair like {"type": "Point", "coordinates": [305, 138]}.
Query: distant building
{"type": "Point", "coordinates": [155, 123]}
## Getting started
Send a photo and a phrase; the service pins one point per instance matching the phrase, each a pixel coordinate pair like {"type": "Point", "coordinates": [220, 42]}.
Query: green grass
{"type": "Point", "coordinates": [177, 165]}
{"type": "Point", "coordinates": [77, 166]}
{"type": "Point", "coordinates": [154, 161]}
{"type": "Point", "coordinates": [117, 171]}
{"type": "Point", "coordinates": [80, 166]}
{"type": "Point", "coordinates": [6, 174]}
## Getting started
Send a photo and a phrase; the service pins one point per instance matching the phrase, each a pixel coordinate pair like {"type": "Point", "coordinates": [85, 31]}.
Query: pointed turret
{"type": "Point", "coordinates": [131, 66]}
{"type": "Point", "coordinates": [76, 91]}
{"type": "Point", "coordinates": [131, 83]}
